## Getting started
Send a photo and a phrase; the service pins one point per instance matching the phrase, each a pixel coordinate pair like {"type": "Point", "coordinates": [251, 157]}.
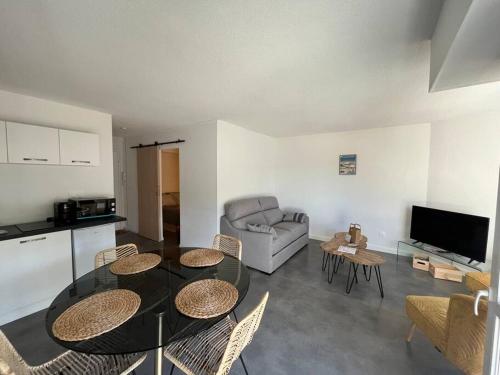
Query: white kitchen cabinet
{"type": "Point", "coordinates": [34, 270]}
{"type": "Point", "coordinates": [3, 142]}
{"type": "Point", "coordinates": [87, 243]}
{"type": "Point", "coordinates": [78, 148]}
{"type": "Point", "coordinates": [31, 144]}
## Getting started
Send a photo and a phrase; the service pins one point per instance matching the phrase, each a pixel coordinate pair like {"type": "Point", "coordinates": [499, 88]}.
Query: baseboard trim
{"type": "Point", "coordinates": [319, 238]}
{"type": "Point", "coordinates": [372, 246]}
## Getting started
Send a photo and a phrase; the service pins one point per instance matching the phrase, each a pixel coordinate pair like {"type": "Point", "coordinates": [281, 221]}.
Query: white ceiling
{"type": "Point", "coordinates": [281, 67]}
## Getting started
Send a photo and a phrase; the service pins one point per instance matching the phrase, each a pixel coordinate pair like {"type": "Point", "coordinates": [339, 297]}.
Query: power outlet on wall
{"type": "Point", "coordinates": [382, 234]}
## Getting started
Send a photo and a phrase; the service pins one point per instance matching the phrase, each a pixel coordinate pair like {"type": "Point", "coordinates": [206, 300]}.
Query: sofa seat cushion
{"type": "Point", "coordinates": [284, 237]}
{"type": "Point", "coordinates": [287, 233]}
{"type": "Point", "coordinates": [429, 314]}
{"type": "Point", "coordinates": [298, 229]}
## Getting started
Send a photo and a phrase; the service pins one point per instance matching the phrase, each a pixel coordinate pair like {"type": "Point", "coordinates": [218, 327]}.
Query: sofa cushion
{"type": "Point", "coordinates": [285, 237]}
{"type": "Point", "coordinates": [268, 203]}
{"type": "Point", "coordinates": [287, 233]}
{"type": "Point", "coordinates": [262, 228]}
{"type": "Point", "coordinates": [241, 208]}
{"type": "Point", "coordinates": [257, 218]}
{"type": "Point", "coordinates": [273, 216]}
{"type": "Point", "coordinates": [298, 229]}
{"type": "Point", "coordinates": [296, 217]}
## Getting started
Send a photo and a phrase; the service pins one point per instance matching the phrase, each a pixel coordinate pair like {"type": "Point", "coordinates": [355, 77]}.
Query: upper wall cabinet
{"type": "Point", "coordinates": [32, 144]}
{"type": "Point", "coordinates": [3, 142]}
{"type": "Point", "coordinates": [78, 148]}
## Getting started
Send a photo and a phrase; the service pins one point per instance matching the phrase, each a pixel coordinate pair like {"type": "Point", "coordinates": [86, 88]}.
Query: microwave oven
{"type": "Point", "coordinates": [86, 208]}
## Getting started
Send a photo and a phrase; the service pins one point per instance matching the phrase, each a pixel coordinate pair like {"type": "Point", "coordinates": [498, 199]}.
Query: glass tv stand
{"type": "Point", "coordinates": [408, 248]}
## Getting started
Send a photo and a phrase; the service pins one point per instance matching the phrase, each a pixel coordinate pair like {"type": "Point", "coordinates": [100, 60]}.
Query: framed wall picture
{"type": "Point", "coordinates": [347, 164]}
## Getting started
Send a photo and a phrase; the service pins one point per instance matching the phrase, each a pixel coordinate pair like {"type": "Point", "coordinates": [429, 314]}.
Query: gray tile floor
{"type": "Point", "coordinates": [309, 326]}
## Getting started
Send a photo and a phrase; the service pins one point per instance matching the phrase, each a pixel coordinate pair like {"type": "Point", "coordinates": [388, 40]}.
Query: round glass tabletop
{"type": "Point", "coordinates": [157, 322]}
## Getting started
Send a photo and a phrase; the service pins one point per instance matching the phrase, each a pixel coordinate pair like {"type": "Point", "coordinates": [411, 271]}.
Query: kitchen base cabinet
{"type": "Point", "coordinates": [33, 271]}
{"type": "Point", "coordinates": [87, 243]}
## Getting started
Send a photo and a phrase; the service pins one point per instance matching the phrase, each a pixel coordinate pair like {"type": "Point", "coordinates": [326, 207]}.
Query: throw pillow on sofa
{"type": "Point", "coordinates": [262, 228]}
{"type": "Point", "coordinates": [295, 217]}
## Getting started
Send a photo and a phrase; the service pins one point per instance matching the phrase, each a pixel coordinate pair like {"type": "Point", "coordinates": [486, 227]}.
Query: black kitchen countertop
{"type": "Point", "coordinates": [42, 227]}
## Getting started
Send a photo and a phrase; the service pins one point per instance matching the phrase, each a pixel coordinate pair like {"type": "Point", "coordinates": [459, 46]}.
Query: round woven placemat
{"type": "Point", "coordinates": [135, 264]}
{"type": "Point", "coordinates": [202, 258]}
{"type": "Point", "coordinates": [95, 315]}
{"type": "Point", "coordinates": [206, 298]}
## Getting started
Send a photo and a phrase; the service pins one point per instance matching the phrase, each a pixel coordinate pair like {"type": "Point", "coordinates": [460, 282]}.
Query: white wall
{"type": "Point", "coordinates": [451, 164]}
{"type": "Point", "coordinates": [464, 165]}
{"type": "Point", "coordinates": [392, 168]}
{"type": "Point", "coordinates": [27, 192]}
{"type": "Point", "coordinates": [245, 164]}
{"type": "Point", "coordinates": [198, 181]}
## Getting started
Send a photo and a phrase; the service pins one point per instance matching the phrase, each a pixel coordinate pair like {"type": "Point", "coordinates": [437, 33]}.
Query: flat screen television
{"type": "Point", "coordinates": [466, 235]}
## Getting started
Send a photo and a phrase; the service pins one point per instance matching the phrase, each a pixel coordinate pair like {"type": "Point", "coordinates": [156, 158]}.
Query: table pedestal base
{"type": "Point", "coordinates": [159, 361]}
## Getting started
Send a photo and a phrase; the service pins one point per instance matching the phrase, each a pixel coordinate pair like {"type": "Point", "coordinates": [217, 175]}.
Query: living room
{"type": "Point", "coordinates": [304, 135]}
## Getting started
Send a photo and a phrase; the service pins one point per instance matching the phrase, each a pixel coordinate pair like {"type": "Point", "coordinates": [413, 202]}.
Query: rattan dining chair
{"type": "Point", "coordinates": [110, 255]}
{"type": "Point", "coordinates": [228, 245]}
{"type": "Point", "coordinates": [214, 350]}
{"type": "Point", "coordinates": [68, 363]}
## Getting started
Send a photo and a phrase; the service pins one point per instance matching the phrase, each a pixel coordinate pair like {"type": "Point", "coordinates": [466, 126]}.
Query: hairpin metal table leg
{"type": "Point", "coordinates": [379, 280]}
{"type": "Point", "coordinates": [340, 260]}
{"type": "Point", "coordinates": [368, 278]}
{"type": "Point", "coordinates": [350, 282]}
{"type": "Point", "coordinates": [333, 258]}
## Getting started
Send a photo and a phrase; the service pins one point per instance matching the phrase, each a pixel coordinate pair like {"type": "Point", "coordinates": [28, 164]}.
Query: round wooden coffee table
{"type": "Point", "coordinates": [332, 255]}
{"type": "Point", "coordinates": [368, 259]}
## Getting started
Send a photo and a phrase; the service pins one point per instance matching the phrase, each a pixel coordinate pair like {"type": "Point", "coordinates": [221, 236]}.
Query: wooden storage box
{"type": "Point", "coordinates": [421, 262]}
{"type": "Point", "coordinates": [445, 272]}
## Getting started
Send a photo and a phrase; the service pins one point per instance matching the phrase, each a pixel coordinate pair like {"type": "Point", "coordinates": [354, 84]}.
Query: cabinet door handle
{"type": "Point", "coordinates": [36, 159]}
{"type": "Point", "coordinates": [33, 240]}
{"type": "Point", "coordinates": [81, 161]}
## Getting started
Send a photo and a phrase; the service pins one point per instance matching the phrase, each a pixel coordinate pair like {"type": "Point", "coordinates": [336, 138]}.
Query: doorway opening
{"type": "Point", "coordinates": [170, 195]}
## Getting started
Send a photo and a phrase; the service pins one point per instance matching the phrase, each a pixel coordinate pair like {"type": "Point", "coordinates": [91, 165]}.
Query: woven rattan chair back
{"type": "Point", "coordinates": [110, 255]}
{"type": "Point", "coordinates": [242, 336]}
{"type": "Point", "coordinates": [228, 245]}
{"type": "Point", "coordinates": [10, 360]}
{"type": "Point", "coordinates": [11, 363]}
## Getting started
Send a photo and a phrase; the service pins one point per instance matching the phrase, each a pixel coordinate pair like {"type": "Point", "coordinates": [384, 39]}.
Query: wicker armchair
{"type": "Point", "coordinates": [475, 281]}
{"type": "Point", "coordinates": [68, 363]}
{"type": "Point", "coordinates": [110, 255]}
{"type": "Point", "coordinates": [215, 350]}
{"type": "Point", "coordinates": [228, 245]}
{"type": "Point", "coordinates": [452, 327]}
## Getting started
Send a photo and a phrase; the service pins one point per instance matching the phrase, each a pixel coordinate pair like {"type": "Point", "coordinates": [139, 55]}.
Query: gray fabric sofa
{"type": "Point", "coordinates": [260, 250]}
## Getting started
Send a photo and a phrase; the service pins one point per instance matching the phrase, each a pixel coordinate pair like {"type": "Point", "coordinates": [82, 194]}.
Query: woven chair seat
{"type": "Point", "coordinates": [201, 354]}
{"type": "Point", "coordinates": [430, 316]}
{"type": "Point", "coordinates": [68, 363]}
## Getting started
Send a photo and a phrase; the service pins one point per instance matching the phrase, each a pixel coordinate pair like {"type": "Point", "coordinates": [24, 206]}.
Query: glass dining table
{"type": "Point", "coordinates": [157, 323]}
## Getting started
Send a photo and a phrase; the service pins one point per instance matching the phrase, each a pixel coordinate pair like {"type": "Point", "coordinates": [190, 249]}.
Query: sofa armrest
{"type": "Point", "coordinates": [227, 228]}
{"type": "Point", "coordinates": [257, 249]}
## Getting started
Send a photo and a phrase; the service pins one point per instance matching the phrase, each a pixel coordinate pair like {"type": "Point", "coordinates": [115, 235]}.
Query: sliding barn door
{"type": "Point", "coordinates": [148, 181]}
